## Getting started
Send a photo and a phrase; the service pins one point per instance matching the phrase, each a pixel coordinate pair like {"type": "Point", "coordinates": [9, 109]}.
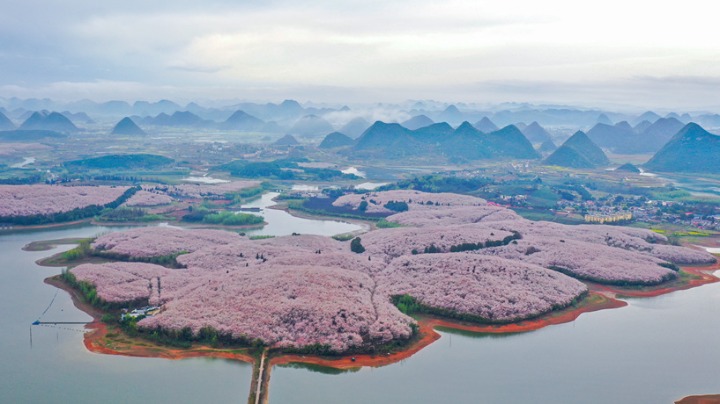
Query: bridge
{"type": "Point", "coordinates": [38, 322]}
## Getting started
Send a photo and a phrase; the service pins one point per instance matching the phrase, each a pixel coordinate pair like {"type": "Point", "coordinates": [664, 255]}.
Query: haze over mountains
{"type": "Point", "coordinates": [426, 129]}
{"type": "Point", "coordinates": [291, 110]}
{"type": "Point", "coordinates": [645, 137]}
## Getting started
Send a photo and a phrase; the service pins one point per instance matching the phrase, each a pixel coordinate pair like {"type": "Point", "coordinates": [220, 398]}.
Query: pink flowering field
{"type": "Point", "coordinates": [27, 200]}
{"type": "Point", "coordinates": [296, 291]}
{"type": "Point", "coordinates": [148, 198]}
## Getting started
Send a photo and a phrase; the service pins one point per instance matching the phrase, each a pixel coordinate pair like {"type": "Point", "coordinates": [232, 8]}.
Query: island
{"type": "Point", "coordinates": [441, 259]}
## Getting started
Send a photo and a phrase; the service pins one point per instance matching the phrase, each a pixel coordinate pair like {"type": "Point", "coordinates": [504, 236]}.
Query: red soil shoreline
{"type": "Point", "coordinates": [703, 274]}
{"type": "Point", "coordinates": [601, 297]}
{"type": "Point", "coordinates": [704, 399]}
{"type": "Point", "coordinates": [94, 339]}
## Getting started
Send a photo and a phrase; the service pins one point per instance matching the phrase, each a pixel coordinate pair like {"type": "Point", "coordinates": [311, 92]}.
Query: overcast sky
{"type": "Point", "coordinates": [622, 54]}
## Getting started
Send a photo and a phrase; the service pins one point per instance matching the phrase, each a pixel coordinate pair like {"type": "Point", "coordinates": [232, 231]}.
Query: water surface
{"type": "Point", "coordinates": [656, 350]}
{"type": "Point", "coordinates": [281, 223]}
{"type": "Point", "coordinates": [57, 368]}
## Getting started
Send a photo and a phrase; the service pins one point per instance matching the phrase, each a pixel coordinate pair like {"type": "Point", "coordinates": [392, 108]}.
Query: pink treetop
{"type": "Point", "coordinates": [26, 200]}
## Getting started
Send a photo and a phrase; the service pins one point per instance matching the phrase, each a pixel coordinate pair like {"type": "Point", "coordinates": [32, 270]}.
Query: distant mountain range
{"type": "Point", "coordinates": [177, 119]}
{"type": "Point", "coordinates": [692, 149]}
{"type": "Point", "coordinates": [52, 121]}
{"type": "Point", "coordinates": [645, 137]}
{"type": "Point", "coordinates": [391, 140]}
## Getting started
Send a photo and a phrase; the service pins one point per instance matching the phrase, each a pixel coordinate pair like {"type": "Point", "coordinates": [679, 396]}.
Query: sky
{"type": "Point", "coordinates": [629, 54]}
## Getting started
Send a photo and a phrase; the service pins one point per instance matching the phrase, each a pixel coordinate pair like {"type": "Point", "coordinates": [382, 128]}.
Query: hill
{"type": "Point", "coordinates": [240, 120]}
{"type": "Point", "coordinates": [536, 133]}
{"type": "Point", "coordinates": [384, 137]}
{"type": "Point", "coordinates": [127, 126]}
{"type": "Point", "coordinates": [642, 126]}
{"type": "Point", "coordinates": [627, 167]}
{"type": "Point", "coordinates": [355, 127]}
{"type": "Point", "coordinates": [177, 119]}
{"type": "Point", "coordinates": [336, 139]}
{"type": "Point", "coordinates": [6, 123]}
{"type": "Point", "coordinates": [582, 143]}
{"type": "Point", "coordinates": [485, 125]}
{"type": "Point", "coordinates": [417, 122]}
{"type": "Point", "coordinates": [566, 156]}
{"type": "Point", "coordinates": [120, 162]}
{"type": "Point", "coordinates": [383, 140]}
{"type": "Point", "coordinates": [655, 136]}
{"type": "Point", "coordinates": [547, 147]}
{"type": "Point", "coordinates": [436, 132]}
{"type": "Point", "coordinates": [602, 118]}
{"type": "Point", "coordinates": [451, 115]}
{"type": "Point", "coordinates": [648, 116]}
{"type": "Point", "coordinates": [509, 142]}
{"type": "Point", "coordinates": [287, 140]}
{"type": "Point", "coordinates": [614, 137]}
{"type": "Point", "coordinates": [311, 125]}
{"type": "Point", "coordinates": [53, 121]}
{"type": "Point", "coordinates": [692, 149]}
{"type": "Point", "coordinates": [578, 152]}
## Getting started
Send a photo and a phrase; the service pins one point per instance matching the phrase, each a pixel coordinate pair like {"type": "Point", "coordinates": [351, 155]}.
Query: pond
{"type": "Point", "coordinates": [281, 223]}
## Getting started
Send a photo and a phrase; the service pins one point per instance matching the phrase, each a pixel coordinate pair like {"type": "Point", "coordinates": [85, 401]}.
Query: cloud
{"type": "Point", "coordinates": [458, 50]}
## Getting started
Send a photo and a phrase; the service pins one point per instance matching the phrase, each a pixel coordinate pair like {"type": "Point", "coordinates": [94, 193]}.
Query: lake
{"type": "Point", "coordinates": [655, 350]}
{"type": "Point", "coordinates": [57, 368]}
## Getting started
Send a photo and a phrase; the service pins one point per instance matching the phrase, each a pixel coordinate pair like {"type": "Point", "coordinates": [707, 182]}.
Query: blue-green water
{"type": "Point", "coordinates": [656, 350]}
{"type": "Point", "coordinates": [653, 351]}
{"type": "Point", "coordinates": [58, 369]}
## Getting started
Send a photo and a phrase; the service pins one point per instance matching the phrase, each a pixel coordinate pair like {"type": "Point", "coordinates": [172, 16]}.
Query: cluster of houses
{"type": "Point", "coordinates": [602, 218]}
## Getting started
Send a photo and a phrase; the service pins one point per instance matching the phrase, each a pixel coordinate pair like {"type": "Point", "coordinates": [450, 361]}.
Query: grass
{"type": "Point", "coordinates": [384, 224]}
{"type": "Point", "coordinates": [260, 237]}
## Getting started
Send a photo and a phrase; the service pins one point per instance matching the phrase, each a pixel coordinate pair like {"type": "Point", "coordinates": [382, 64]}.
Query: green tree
{"type": "Point", "coordinates": [356, 246]}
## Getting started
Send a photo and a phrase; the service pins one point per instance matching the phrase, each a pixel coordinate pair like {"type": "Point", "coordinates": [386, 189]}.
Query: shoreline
{"type": "Point", "coordinates": [367, 225]}
{"type": "Point", "coordinates": [600, 297]}
{"type": "Point", "coordinates": [45, 226]}
{"type": "Point", "coordinates": [94, 339]}
{"type": "Point", "coordinates": [111, 340]}
{"type": "Point", "coordinates": [700, 399]}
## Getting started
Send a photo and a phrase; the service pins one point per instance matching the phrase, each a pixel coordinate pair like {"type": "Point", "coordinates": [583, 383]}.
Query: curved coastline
{"type": "Point", "coordinates": [601, 297]}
